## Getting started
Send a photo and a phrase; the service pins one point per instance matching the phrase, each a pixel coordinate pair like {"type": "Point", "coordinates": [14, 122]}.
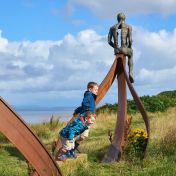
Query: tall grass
{"type": "Point", "coordinates": [160, 160]}
{"type": "Point", "coordinates": [161, 156]}
{"type": "Point", "coordinates": [48, 131]}
{"type": "Point", "coordinates": [12, 162]}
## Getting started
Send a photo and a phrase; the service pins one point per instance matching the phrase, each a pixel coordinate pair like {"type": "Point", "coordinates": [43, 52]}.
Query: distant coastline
{"type": "Point", "coordinates": [42, 114]}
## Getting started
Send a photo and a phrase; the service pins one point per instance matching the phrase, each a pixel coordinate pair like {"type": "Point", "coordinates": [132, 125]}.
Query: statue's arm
{"type": "Point", "coordinates": [130, 36]}
{"type": "Point", "coordinates": [110, 35]}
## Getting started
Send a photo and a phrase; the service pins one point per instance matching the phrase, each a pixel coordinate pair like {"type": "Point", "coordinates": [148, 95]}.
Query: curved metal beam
{"type": "Point", "coordinates": [115, 149]}
{"type": "Point", "coordinates": [107, 82]}
{"type": "Point", "coordinates": [19, 133]}
{"type": "Point", "coordinates": [140, 107]}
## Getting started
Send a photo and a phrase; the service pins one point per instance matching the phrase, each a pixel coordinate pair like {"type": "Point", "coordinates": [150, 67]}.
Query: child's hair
{"type": "Point", "coordinates": [90, 85]}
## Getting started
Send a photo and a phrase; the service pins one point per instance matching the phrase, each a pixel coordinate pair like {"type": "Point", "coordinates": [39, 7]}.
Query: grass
{"type": "Point", "coordinates": [161, 156]}
{"type": "Point", "coordinates": [12, 161]}
{"type": "Point", "coordinates": [160, 160]}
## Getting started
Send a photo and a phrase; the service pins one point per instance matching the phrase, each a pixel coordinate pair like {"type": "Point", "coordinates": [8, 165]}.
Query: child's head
{"type": "Point", "coordinates": [89, 117]}
{"type": "Point", "coordinates": [92, 87]}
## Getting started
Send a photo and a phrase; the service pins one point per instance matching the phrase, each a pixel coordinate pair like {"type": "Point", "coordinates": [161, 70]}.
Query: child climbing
{"type": "Point", "coordinates": [69, 133]}
{"type": "Point", "coordinates": [88, 104]}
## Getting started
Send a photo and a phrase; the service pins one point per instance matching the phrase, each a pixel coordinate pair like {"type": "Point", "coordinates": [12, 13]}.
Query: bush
{"type": "Point", "coordinates": [158, 103]}
{"type": "Point", "coordinates": [137, 141]}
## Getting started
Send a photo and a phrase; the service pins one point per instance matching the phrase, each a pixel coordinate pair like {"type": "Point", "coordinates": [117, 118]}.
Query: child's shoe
{"type": "Point", "coordinates": [68, 154]}
{"type": "Point", "coordinates": [72, 151]}
{"type": "Point", "coordinates": [73, 154]}
{"type": "Point", "coordinates": [62, 157]}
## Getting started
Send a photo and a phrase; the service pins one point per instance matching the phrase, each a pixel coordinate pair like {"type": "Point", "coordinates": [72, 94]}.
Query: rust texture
{"type": "Point", "coordinates": [114, 150]}
{"type": "Point", "coordinates": [19, 133]}
{"type": "Point", "coordinates": [140, 107]}
{"type": "Point", "coordinates": [107, 82]}
{"type": "Point", "coordinates": [122, 106]}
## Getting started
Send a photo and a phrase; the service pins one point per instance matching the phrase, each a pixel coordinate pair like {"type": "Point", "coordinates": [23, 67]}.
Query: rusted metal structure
{"type": "Point", "coordinates": [19, 133]}
{"type": "Point", "coordinates": [118, 69]}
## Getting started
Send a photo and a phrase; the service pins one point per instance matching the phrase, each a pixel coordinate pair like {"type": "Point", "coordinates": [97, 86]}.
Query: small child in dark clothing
{"type": "Point", "coordinates": [69, 133]}
{"type": "Point", "coordinates": [88, 103]}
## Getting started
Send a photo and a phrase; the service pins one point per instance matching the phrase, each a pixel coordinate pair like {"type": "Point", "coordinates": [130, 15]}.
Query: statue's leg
{"type": "Point", "coordinates": [129, 53]}
{"type": "Point", "coordinates": [130, 65]}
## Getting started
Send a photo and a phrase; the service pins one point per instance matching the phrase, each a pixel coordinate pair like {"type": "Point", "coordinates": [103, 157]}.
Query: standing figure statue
{"type": "Point", "coordinates": [125, 30]}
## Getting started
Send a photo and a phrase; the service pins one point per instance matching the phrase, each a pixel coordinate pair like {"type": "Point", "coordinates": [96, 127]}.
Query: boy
{"type": "Point", "coordinates": [69, 133]}
{"type": "Point", "coordinates": [88, 104]}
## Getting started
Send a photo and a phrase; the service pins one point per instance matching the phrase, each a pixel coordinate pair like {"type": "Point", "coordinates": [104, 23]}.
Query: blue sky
{"type": "Point", "coordinates": [50, 49]}
{"type": "Point", "coordinates": [52, 19]}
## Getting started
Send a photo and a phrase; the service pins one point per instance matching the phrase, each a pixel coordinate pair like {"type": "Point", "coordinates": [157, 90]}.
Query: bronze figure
{"type": "Point", "coordinates": [125, 31]}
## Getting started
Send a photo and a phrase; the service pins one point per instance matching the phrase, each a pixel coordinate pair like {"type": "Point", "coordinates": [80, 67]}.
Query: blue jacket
{"type": "Point", "coordinates": [88, 103]}
{"type": "Point", "coordinates": [73, 129]}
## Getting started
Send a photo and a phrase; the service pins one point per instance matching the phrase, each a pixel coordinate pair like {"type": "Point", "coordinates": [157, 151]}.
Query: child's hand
{"type": "Point", "coordinates": [71, 141]}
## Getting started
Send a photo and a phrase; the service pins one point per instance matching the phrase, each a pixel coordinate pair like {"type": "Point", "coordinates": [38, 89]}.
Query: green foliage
{"type": "Point", "coordinates": [3, 139]}
{"type": "Point", "coordinates": [12, 162]}
{"type": "Point", "coordinates": [107, 108]}
{"type": "Point", "coordinates": [160, 157]}
{"type": "Point", "coordinates": [46, 129]}
{"type": "Point", "coordinates": [137, 141]}
{"type": "Point", "coordinates": [42, 131]}
{"type": "Point", "coordinates": [158, 103]}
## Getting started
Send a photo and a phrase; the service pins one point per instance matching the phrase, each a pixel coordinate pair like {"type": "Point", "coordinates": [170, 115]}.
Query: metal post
{"type": "Point", "coordinates": [115, 148]}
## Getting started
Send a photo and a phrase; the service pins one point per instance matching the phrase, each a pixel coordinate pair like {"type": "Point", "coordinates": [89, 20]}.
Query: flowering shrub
{"type": "Point", "coordinates": [137, 140]}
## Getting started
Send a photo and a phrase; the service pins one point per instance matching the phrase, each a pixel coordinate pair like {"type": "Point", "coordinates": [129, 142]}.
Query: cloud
{"type": "Point", "coordinates": [156, 63]}
{"type": "Point", "coordinates": [106, 9]}
{"type": "Point", "coordinates": [62, 68]}
{"type": "Point", "coordinates": [45, 66]}
{"type": "Point", "coordinates": [78, 22]}
{"type": "Point", "coordinates": [163, 76]}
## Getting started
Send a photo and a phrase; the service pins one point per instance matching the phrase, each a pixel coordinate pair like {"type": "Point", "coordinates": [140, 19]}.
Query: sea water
{"type": "Point", "coordinates": [40, 116]}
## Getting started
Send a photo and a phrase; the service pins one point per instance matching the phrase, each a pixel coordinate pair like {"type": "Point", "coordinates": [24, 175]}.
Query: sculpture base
{"type": "Point", "coordinates": [113, 154]}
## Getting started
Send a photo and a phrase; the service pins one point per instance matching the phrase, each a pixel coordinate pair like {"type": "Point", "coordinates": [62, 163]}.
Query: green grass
{"type": "Point", "coordinates": [160, 160]}
{"type": "Point", "coordinates": [11, 161]}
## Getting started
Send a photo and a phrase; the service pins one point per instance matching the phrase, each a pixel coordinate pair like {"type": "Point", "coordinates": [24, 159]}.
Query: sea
{"type": "Point", "coordinates": [34, 116]}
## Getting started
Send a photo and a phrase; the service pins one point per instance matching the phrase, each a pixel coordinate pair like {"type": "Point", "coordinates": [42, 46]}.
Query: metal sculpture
{"type": "Point", "coordinates": [118, 68]}
{"type": "Point", "coordinates": [19, 133]}
{"type": "Point", "coordinates": [125, 31]}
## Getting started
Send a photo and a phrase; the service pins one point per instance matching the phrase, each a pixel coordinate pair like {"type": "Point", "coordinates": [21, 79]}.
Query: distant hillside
{"type": "Point", "coordinates": [157, 103]}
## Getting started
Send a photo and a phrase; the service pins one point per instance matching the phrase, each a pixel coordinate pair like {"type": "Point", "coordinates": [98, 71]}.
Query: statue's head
{"type": "Point", "coordinates": [120, 17]}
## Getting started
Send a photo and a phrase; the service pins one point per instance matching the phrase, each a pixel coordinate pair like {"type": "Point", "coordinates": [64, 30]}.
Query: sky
{"type": "Point", "coordinates": [51, 49]}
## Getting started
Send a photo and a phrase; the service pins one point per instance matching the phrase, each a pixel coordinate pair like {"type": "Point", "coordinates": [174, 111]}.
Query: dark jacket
{"type": "Point", "coordinates": [74, 128]}
{"type": "Point", "coordinates": [88, 103]}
